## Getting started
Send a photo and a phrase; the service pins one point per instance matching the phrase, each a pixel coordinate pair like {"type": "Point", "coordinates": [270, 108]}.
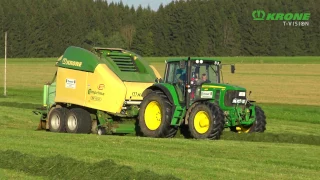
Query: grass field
{"type": "Point", "coordinates": [285, 87]}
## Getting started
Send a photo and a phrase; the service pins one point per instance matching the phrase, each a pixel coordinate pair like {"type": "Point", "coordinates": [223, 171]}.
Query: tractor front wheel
{"type": "Point", "coordinates": [155, 116]}
{"type": "Point", "coordinates": [259, 125]}
{"type": "Point", "coordinates": [206, 121]}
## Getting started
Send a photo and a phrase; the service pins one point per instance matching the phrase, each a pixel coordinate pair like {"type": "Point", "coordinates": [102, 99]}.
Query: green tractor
{"type": "Point", "coordinates": [192, 98]}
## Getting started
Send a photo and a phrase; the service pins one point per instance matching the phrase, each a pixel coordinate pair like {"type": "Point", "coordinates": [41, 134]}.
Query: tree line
{"type": "Point", "coordinates": [45, 28]}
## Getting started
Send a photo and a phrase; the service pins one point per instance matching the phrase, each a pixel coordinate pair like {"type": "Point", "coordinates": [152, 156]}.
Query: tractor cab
{"type": "Point", "coordinates": [188, 76]}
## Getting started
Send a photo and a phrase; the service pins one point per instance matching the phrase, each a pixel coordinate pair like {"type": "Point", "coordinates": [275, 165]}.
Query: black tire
{"type": "Point", "coordinates": [215, 119]}
{"type": "Point", "coordinates": [164, 129]}
{"type": "Point", "coordinates": [57, 120]}
{"type": "Point", "coordinates": [184, 129]}
{"type": "Point", "coordinates": [259, 125]}
{"type": "Point", "coordinates": [78, 120]}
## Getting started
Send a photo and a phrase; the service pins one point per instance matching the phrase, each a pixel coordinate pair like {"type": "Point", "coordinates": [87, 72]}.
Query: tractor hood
{"type": "Point", "coordinates": [223, 86]}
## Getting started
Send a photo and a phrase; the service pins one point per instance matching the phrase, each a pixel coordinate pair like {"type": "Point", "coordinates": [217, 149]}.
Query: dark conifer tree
{"type": "Point", "coordinates": [43, 28]}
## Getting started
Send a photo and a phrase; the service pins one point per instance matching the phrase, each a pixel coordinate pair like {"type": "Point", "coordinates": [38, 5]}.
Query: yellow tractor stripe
{"type": "Point", "coordinates": [212, 86]}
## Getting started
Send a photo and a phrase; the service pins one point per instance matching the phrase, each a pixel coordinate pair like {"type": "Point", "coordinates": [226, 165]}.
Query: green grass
{"type": "Point", "coordinates": [289, 149]}
{"type": "Point", "coordinates": [45, 153]}
{"type": "Point", "coordinates": [12, 174]}
{"type": "Point", "coordinates": [276, 153]}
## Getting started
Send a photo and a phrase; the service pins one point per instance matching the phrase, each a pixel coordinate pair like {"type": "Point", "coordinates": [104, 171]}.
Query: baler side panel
{"type": "Point", "coordinates": [135, 90]}
{"type": "Point", "coordinates": [71, 86]}
{"type": "Point", "coordinates": [105, 91]}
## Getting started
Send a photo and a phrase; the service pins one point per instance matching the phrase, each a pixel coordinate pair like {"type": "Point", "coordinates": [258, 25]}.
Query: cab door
{"type": "Point", "coordinates": [177, 76]}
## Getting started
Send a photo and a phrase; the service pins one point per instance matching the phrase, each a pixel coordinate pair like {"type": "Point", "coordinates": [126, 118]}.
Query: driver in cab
{"type": "Point", "coordinates": [181, 75]}
{"type": "Point", "coordinates": [204, 79]}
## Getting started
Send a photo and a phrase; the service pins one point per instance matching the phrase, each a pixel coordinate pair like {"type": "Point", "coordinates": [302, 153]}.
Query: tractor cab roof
{"type": "Point", "coordinates": [204, 59]}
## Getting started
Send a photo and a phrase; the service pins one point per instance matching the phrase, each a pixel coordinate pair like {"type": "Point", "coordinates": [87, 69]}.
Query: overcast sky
{"type": "Point", "coordinates": [154, 4]}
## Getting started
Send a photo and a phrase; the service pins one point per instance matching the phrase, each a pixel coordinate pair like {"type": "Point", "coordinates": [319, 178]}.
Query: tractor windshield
{"type": "Point", "coordinates": [205, 72]}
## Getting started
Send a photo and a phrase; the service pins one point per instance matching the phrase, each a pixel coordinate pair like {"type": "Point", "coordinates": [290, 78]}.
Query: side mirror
{"type": "Point", "coordinates": [182, 64]}
{"type": "Point", "coordinates": [233, 68]}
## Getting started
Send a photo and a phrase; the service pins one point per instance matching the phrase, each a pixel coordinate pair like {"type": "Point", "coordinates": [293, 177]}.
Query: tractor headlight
{"type": "Point", "coordinates": [243, 94]}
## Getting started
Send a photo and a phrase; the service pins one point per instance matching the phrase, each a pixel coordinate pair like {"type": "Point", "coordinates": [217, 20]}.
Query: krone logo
{"type": "Point", "coordinates": [65, 61]}
{"type": "Point", "coordinates": [258, 15]}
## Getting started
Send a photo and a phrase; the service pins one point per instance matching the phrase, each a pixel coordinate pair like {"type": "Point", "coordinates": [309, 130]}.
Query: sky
{"type": "Point", "coordinates": [154, 4]}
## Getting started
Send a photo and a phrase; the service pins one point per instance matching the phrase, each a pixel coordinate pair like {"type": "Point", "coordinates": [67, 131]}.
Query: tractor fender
{"type": "Point", "coordinates": [162, 88]}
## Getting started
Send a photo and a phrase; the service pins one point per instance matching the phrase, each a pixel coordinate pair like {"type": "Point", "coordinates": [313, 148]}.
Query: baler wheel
{"type": "Point", "coordinates": [78, 121]}
{"type": "Point", "coordinates": [57, 119]}
{"type": "Point", "coordinates": [155, 116]}
{"type": "Point", "coordinates": [206, 121]}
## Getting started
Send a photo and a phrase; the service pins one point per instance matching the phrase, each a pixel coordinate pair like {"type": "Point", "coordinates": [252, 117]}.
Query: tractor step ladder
{"type": "Point", "coordinates": [178, 114]}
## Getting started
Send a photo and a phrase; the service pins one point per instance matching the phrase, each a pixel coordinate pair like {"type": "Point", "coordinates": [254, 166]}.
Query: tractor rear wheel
{"type": "Point", "coordinates": [57, 119]}
{"type": "Point", "coordinates": [206, 121]}
{"type": "Point", "coordinates": [155, 116]}
{"type": "Point", "coordinates": [259, 125]}
{"type": "Point", "coordinates": [78, 121]}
